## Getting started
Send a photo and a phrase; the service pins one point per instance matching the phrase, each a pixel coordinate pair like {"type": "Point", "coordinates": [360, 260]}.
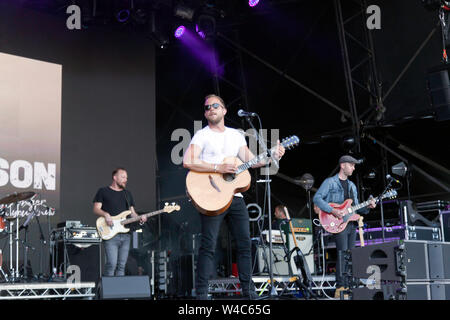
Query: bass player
{"type": "Point", "coordinates": [337, 189]}
{"type": "Point", "coordinates": [207, 150]}
{"type": "Point", "coordinates": [110, 201]}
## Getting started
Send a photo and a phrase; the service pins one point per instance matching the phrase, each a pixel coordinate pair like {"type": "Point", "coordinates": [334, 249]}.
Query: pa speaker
{"type": "Point", "coordinates": [439, 92]}
{"type": "Point", "coordinates": [125, 287]}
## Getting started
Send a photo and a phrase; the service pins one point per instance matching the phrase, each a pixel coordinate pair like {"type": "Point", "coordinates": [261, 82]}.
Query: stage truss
{"type": "Point", "coordinates": [232, 285]}
{"type": "Point", "coordinates": [50, 290]}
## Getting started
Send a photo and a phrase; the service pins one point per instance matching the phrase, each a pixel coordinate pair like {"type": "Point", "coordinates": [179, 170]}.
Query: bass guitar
{"type": "Point", "coordinates": [212, 192]}
{"type": "Point", "coordinates": [336, 225]}
{"type": "Point", "coordinates": [107, 232]}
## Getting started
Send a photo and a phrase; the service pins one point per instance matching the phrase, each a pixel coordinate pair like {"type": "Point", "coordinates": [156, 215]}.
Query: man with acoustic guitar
{"type": "Point", "coordinates": [206, 153]}
{"type": "Point", "coordinates": [108, 202]}
{"type": "Point", "coordinates": [335, 190]}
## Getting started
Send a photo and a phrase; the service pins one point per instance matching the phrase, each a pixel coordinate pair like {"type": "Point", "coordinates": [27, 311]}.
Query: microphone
{"type": "Point", "coordinates": [389, 177]}
{"type": "Point", "coordinates": [242, 113]}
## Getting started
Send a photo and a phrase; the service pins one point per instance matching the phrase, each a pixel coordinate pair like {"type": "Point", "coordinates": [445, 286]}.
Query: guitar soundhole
{"type": "Point", "coordinates": [229, 176]}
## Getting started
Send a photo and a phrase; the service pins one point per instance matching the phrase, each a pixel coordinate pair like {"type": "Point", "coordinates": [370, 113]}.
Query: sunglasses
{"type": "Point", "coordinates": [214, 105]}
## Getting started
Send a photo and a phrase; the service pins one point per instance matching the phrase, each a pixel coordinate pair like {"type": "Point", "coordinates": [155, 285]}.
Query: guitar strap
{"type": "Point", "coordinates": [126, 198]}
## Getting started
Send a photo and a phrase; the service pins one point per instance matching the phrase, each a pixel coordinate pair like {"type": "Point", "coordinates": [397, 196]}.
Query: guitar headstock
{"type": "Point", "coordinates": [290, 142]}
{"type": "Point", "coordinates": [286, 213]}
{"type": "Point", "coordinates": [360, 222]}
{"type": "Point", "coordinates": [172, 207]}
{"type": "Point", "coordinates": [391, 194]}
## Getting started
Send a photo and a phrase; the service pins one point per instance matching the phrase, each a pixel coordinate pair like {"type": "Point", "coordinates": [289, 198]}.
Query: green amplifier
{"type": "Point", "coordinates": [299, 226]}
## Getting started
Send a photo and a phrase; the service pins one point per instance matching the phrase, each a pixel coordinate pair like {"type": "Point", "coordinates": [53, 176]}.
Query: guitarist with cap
{"type": "Point", "coordinates": [337, 189]}
{"type": "Point", "coordinates": [108, 202]}
{"type": "Point", "coordinates": [208, 148]}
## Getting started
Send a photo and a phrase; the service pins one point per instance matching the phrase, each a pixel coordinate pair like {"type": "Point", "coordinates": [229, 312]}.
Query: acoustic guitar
{"type": "Point", "coordinates": [336, 225]}
{"type": "Point", "coordinates": [119, 221]}
{"type": "Point", "coordinates": [212, 192]}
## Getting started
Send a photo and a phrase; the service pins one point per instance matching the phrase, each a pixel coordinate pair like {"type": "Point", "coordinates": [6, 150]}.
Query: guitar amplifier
{"type": "Point", "coordinates": [277, 236]}
{"type": "Point", "coordinates": [77, 235]}
{"type": "Point", "coordinates": [299, 226]}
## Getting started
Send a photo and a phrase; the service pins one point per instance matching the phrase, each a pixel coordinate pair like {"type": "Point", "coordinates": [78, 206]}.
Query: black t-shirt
{"type": "Point", "coordinates": [344, 184]}
{"type": "Point", "coordinates": [114, 202]}
{"type": "Point", "coordinates": [277, 223]}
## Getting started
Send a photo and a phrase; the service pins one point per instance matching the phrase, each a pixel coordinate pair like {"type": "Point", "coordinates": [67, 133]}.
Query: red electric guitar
{"type": "Point", "coordinates": [336, 225]}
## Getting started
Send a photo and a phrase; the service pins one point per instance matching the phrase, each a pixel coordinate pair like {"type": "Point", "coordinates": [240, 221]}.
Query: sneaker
{"type": "Point", "coordinates": [337, 293]}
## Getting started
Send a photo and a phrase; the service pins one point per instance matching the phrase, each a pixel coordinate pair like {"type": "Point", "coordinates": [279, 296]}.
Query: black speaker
{"type": "Point", "coordinates": [439, 260]}
{"type": "Point", "coordinates": [382, 255]}
{"type": "Point", "coordinates": [438, 84]}
{"type": "Point", "coordinates": [391, 291]}
{"type": "Point", "coordinates": [86, 256]}
{"type": "Point", "coordinates": [397, 260]}
{"type": "Point", "coordinates": [125, 287]}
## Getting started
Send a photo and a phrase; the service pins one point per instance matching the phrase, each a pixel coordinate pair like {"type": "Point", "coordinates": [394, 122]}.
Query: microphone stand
{"type": "Point", "coordinates": [262, 144]}
{"type": "Point", "coordinates": [381, 207]}
{"type": "Point", "coordinates": [26, 245]}
{"type": "Point", "coordinates": [43, 242]}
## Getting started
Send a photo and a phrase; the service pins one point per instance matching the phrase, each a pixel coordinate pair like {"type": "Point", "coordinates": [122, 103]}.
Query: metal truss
{"type": "Point", "coordinates": [232, 285]}
{"type": "Point", "coordinates": [51, 290]}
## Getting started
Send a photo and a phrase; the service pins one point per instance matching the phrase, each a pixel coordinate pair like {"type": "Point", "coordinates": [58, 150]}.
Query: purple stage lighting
{"type": "Point", "coordinates": [199, 32]}
{"type": "Point", "coordinates": [123, 15]}
{"type": "Point", "coordinates": [179, 32]}
{"type": "Point", "coordinates": [253, 3]}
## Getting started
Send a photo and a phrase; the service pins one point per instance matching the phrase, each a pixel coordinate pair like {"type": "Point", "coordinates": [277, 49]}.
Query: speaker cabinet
{"type": "Point", "coordinates": [86, 256]}
{"type": "Point", "coordinates": [438, 83]}
{"type": "Point", "coordinates": [262, 260]}
{"type": "Point", "coordinates": [125, 287]}
{"type": "Point", "coordinates": [412, 260]}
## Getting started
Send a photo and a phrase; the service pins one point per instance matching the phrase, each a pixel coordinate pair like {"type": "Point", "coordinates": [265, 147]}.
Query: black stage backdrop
{"type": "Point", "coordinates": [108, 111]}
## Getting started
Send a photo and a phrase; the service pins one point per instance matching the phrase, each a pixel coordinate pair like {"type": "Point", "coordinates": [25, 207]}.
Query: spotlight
{"type": "Point", "coordinates": [179, 31]}
{"type": "Point", "coordinates": [200, 33]}
{"type": "Point", "coordinates": [348, 142]}
{"type": "Point", "coordinates": [123, 15]}
{"type": "Point", "coordinates": [207, 25]}
{"type": "Point", "coordinates": [399, 169]}
{"type": "Point", "coordinates": [253, 3]}
{"type": "Point", "coordinates": [306, 181]}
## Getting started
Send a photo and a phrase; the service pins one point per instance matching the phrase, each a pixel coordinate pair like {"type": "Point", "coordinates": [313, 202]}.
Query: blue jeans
{"type": "Point", "coordinates": [238, 222]}
{"type": "Point", "coordinates": [116, 250]}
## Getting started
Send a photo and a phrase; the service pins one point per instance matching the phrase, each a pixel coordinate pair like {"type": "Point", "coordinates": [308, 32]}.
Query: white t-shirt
{"type": "Point", "coordinates": [216, 146]}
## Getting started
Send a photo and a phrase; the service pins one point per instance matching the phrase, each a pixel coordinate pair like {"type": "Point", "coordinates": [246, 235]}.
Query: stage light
{"type": "Point", "coordinates": [123, 15]}
{"type": "Point", "coordinates": [184, 12]}
{"type": "Point", "coordinates": [199, 32]}
{"type": "Point", "coordinates": [180, 31]}
{"type": "Point", "coordinates": [253, 3]}
{"type": "Point", "coordinates": [207, 25]}
{"type": "Point", "coordinates": [399, 169]}
{"type": "Point", "coordinates": [348, 142]}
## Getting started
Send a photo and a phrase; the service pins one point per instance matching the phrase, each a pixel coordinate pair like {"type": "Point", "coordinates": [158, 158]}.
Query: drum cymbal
{"type": "Point", "coordinates": [15, 197]}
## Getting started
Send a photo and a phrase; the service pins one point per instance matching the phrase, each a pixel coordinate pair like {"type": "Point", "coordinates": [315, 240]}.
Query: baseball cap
{"type": "Point", "coordinates": [349, 159]}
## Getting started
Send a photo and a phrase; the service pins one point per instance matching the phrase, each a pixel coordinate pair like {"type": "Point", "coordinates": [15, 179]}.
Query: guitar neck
{"type": "Point", "coordinates": [134, 219]}
{"type": "Point", "coordinates": [361, 205]}
{"type": "Point", "coordinates": [252, 162]}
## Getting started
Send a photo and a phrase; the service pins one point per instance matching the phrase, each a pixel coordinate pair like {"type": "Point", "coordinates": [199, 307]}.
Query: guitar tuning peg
{"type": "Point", "coordinates": [166, 204]}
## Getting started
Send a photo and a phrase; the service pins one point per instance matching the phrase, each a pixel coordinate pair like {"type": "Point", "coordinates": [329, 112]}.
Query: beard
{"type": "Point", "coordinates": [215, 120]}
